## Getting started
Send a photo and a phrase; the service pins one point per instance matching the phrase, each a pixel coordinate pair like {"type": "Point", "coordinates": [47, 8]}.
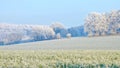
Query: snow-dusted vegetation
{"type": "Point", "coordinates": [102, 23]}
{"type": "Point", "coordinates": [59, 29]}
{"type": "Point", "coordinates": [11, 33]}
{"type": "Point", "coordinates": [83, 43]}
{"type": "Point", "coordinates": [96, 24]}
{"type": "Point", "coordinates": [77, 31]}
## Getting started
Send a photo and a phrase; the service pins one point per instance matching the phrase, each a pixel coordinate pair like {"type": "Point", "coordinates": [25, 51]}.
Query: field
{"type": "Point", "coordinates": [60, 59]}
{"type": "Point", "coordinates": [84, 43]}
{"type": "Point", "coordinates": [93, 52]}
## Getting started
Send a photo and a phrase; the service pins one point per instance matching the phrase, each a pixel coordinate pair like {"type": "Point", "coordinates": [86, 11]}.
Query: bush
{"type": "Point", "coordinates": [68, 35]}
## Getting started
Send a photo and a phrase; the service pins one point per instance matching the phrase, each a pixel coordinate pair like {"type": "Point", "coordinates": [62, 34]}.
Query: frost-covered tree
{"type": "Point", "coordinates": [42, 33]}
{"type": "Point", "coordinates": [58, 36]}
{"type": "Point", "coordinates": [68, 35]}
{"type": "Point", "coordinates": [77, 31]}
{"type": "Point", "coordinates": [96, 24]}
{"type": "Point", "coordinates": [11, 33]}
{"type": "Point", "coordinates": [89, 23]}
{"type": "Point", "coordinates": [59, 28]}
{"type": "Point", "coordinates": [114, 21]}
{"type": "Point", "coordinates": [102, 23]}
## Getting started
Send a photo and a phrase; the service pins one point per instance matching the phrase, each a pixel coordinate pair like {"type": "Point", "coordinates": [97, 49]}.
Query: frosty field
{"type": "Point", "coordinates": [80, 52]}
{"type": "Point", "coordinates": [84, 43]}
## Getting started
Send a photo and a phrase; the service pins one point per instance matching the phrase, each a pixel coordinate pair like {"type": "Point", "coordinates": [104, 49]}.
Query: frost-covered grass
{"type": "Point", "coordinates": [60, 59]}
{"type": "Point", "coordinates": [84, 43]}
{"type": "Point", "coordinates": [80, 52]}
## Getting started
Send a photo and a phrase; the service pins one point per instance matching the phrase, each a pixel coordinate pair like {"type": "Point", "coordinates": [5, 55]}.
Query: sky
{"type": "Point", "coordinates": [45, 12]}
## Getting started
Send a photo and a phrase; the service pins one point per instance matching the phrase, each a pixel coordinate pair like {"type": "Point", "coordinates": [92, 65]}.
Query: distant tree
{"type": "Point", "coordinates": [114, 21]}
{"type": "Point", "coordinates": [68, 35]}
{"type": "Point", "coordinates": [1, 43]}
{"type": "Point", "coordinates": [95, 24]}
{"type": "Point", "coordinates": [90, 34]}
{"type": "Point", "coordinates": [58, 36]}
{"type": "Point", "coordinates": [42, 33]}
{"type": "Point", "coordinates": [11, 33]}
{"type": "Point", "coordinates": [59, 28]}
{"type": "Point", "coordinates": [77, 31]}
{"type": "Point", "coordinates": [102, 23]}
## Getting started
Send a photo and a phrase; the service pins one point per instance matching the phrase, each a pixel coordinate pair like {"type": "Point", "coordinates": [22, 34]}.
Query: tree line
{"type": "Point", "coordinates": [13, 34]}
{"type": "Point", "coordinates": [96, 24]}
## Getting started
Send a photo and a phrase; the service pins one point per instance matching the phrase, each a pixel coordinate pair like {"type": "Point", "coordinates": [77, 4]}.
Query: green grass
{"type": "Point", "coordinates": [60, 59]}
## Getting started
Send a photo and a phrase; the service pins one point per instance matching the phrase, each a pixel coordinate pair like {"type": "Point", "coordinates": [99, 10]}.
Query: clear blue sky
{"type": "Point", "coordinates": [45, 12]}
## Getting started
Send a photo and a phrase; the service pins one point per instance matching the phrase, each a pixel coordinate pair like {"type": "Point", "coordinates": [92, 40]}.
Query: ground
{"type": "Point", "coordinates": [85, 43]}
{"type": "Point", "coordinates": [79, 52]}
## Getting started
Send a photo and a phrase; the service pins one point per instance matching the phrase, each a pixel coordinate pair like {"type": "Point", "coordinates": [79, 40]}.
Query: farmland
{"type": "Point", "coordinates": [80, 52]}
{"type": "Point", "coordinates": [60, 59]}
{"type": "Point", "coordinates": [84, 43]}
